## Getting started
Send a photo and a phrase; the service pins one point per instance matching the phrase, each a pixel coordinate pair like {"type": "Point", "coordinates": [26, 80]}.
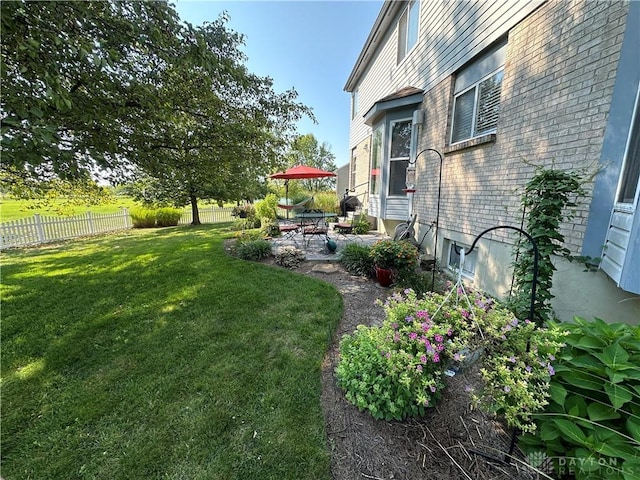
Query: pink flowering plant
{"type": "Point", "coordinates": [397, 370]}
{"type": "Point", "coordinates": [517, 368]}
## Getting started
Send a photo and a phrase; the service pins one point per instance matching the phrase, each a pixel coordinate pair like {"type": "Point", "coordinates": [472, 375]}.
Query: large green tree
{"type": "Point", "coordinates": [76, 79]}
{"type": "Point", "coordinates": [306, 150]}
{"type": "Point", "coordinates": [221, 130]}
{"type": "Point", "coordinates": [126, 87]}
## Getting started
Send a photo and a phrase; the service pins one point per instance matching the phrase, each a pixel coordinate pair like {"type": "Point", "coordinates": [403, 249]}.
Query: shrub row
{"type": "Point", "coordinates": [155, 217]}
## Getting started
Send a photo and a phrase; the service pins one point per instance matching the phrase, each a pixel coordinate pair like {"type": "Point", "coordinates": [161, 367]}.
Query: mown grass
{"type": "Point", "coordinates": [153, 354]}
{"type": "Point", "coordinates": [12, 209]}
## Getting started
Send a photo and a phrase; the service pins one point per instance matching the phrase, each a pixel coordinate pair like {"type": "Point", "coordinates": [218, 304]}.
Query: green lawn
{"type": "Point", "coordinates": [12, 209]}
{"type": "Point", "coordinates": [153, 354]}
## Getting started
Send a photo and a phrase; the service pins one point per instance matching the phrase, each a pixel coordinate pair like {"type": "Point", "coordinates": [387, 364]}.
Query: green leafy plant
{"type": "Point", "coordinates": [361, 225]}
{"type": "Point", "coordinates": [394, 255]}
{"type": "Point", "coordinates": [546, 199]}
{"type": "Point", "coordinates": [266, 208]}
{"type": "Point", "coordinates": [396, 370]}
{"type": "Point", "coordinates": [356, 260]}
{"type": "Point", "coordinates": [254, 250]}
{"type": "Point", "coordinates": [143, 217]}
{"type": "Point", "coordinates": [516, 366]}
{"type": "Point", "coordinates": [168, 217]}
{"type": "Point", "coordinates": [593, 416]}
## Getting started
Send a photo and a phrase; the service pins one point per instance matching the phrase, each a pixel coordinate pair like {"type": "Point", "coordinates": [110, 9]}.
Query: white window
{"type": "Point", "coordinates": [354, 103]}
{"type": "Point", "coordinates": [631, 171]}
{"type": "Point", "coordinates": [352, 169]}
{"type": "Point", "coordinates": [376, 160]}
{"type": "Point", "coordinates": [476, 104]}
{"type": "Point", "coordinates": [453, 262]}
{"type": "Point", "coordinates": [399, 156]}
{"type": "Point", "coordinates": [408, 29]}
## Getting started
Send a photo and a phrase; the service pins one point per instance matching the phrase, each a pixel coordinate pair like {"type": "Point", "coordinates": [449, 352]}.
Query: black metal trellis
{"type": "Point", "coordinates": [437, 224]}
{"type": "Point", "coordinates": [534, 284]}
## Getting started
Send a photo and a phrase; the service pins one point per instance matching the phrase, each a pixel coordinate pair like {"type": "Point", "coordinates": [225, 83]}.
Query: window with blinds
{"type": "Point", "coordinates": [476, 110]}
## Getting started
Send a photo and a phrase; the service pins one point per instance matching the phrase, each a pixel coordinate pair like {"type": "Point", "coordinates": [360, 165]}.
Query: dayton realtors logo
{"type": "Point", "coordinates": [561, 466]}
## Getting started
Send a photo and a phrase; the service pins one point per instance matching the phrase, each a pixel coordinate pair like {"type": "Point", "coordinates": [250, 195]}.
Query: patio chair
{"type": "Point", "coordinates": [287, 228]}
{"type": "Point", "coordinates": [345, 227]}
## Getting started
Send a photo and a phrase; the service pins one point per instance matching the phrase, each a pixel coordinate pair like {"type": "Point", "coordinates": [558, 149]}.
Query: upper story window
{"type": "Point", "coordinates": [399, 156]}
{"type": "Point", "coordinates": [354, 103]}
{"type": "Point", "coordinates": [408, 29]}
{"type": "Point", "coordinates": [476, 104]}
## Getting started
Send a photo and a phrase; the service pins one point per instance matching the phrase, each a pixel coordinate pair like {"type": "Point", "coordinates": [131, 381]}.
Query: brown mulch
{"type": "Point", "coordinates": [439, 446]}
{"type": "Point", "coordinates": [453, 441]}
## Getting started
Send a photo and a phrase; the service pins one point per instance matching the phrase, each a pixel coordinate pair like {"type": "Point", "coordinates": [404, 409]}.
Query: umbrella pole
{"type": "Point", "coordinates": [286, 196]}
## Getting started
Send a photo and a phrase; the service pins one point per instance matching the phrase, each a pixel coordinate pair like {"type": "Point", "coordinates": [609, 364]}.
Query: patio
{"type": "Point", "coordinates": [314, 246]}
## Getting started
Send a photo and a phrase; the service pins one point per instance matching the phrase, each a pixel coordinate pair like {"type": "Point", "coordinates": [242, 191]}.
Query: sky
{"type": "Point", "coordinates": [310, 46]}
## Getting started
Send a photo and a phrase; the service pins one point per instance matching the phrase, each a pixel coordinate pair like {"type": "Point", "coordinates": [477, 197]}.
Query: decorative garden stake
{"type": "Point", "coordinates": [460, 251]}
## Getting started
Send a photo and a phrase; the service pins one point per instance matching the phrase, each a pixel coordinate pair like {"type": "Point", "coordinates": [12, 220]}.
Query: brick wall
{"type": "Point", "coordinates": [559, 76]}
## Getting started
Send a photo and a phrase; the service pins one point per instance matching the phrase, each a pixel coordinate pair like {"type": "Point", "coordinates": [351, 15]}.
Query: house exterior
{"type": "Point", "coordinates": [473, 96]}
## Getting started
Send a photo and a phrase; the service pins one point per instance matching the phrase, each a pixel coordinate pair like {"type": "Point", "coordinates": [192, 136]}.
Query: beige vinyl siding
{"type": "Point", "coordinates": [450, 35]}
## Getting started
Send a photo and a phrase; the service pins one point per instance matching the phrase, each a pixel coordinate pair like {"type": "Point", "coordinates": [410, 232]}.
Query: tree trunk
{"type": "Point", "coordinates": [195, 215]}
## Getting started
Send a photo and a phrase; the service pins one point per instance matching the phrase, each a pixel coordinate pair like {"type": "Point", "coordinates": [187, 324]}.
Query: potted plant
{"type": "Point", "coordinates": [389, 256]}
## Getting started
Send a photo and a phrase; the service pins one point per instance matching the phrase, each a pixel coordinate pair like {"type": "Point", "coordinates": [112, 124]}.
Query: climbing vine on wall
{"type": "Point", "coordinates": [547, 201]}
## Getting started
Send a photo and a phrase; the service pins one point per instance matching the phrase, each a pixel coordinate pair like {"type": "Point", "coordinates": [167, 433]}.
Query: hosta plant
{"type": "Point", "coordinates": [591, 426]}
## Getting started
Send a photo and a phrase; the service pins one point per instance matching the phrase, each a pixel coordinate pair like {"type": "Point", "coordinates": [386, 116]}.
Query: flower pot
{"type": "Point", "coordinates": [384, 276]}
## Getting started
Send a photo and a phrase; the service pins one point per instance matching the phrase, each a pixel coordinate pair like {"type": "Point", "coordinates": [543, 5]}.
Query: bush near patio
{"type": "Point", "coordinates": [593, 416]}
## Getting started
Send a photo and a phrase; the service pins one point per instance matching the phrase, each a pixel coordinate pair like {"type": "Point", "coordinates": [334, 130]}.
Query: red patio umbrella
{"type": "Point", "coordinates": [300, 172]}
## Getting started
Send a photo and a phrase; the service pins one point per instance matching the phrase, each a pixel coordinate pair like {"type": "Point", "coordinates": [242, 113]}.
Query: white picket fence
{"type": "Point", "coordinates": [41, 229]}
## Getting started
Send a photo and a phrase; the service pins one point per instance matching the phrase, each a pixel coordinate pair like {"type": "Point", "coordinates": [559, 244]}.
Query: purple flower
{"type": "Point", "coordinates": [551, 357]}
{"type": "Point", "coordinates": [439, 347]}
{"type": "Point", "coordinates": [438, 338]}
{"type": "Point", "coordinates": [514, 322]}
{"type": "Point", "coordinates": [507, 389]}
{"type": "Point", "coordinates": [394, 326]}
{"type": "Point", "coordinates": [422, 314]}
{"type": "Point", "coordinates": [427, 344]}
{"type": "Point", "coordinates": [436, 358]}
{"type": "Point", "coordinates": [449, 332]}
{"type": "Point", "coordinates": [512, 359]}
{"type": "Point", "coordinates": [413, 335]}
{"type": "Point", "coordinates": [433, 389]}
{"type": "Point", "coordinates": [528, 368]}
{"type": "Point", "coordinates": [552, 372]}
{"type": "Point", "coordinates": [468, 388]}
{"type": "Point", "coordinates": [423, 359]}
{"type": "Point", "coordinates": [396, 337]}
{"type": "Point", "coordinates": [408, 319]}
{"type": "Point", "coordinates": [419, 368]}
{"type": "Point", "coordinates": [457, 357]}
{"type": "Point", "coordinates": [465, 314]}
{"type": "Point", "coordinates": [426, 326]}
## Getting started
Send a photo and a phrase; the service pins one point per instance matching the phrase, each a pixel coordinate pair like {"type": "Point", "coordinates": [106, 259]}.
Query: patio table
{"type": "Point", "coordinates": [314, 223]}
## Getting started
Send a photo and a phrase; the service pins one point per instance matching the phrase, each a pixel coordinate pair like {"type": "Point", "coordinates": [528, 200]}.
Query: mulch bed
{"type": "Point", "coordinates": [453, 441]}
